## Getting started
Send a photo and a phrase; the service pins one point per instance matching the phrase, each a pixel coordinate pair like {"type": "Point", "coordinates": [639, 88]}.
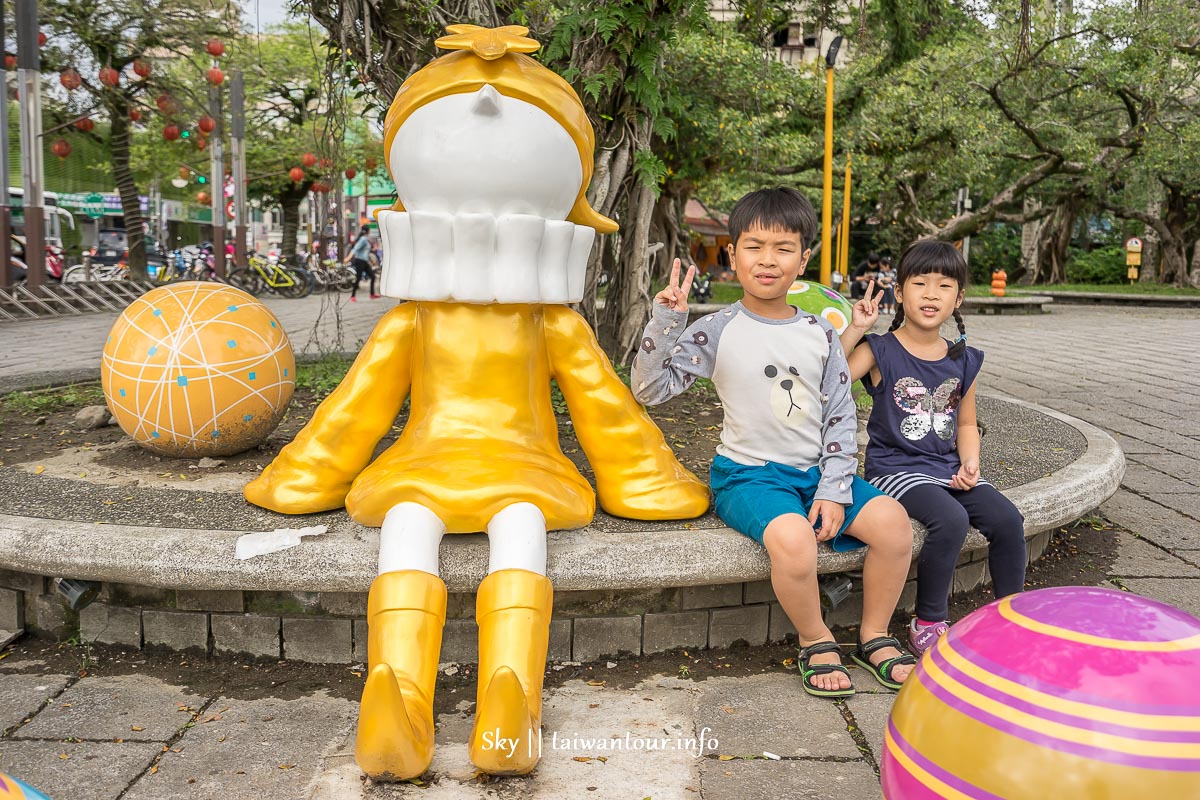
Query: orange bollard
{"type": "Point", "coordinates": [999, 281]}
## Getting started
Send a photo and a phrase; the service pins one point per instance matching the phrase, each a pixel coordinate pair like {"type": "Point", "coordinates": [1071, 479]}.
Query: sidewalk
{"type": "Point", "coordinates": [162, 727]}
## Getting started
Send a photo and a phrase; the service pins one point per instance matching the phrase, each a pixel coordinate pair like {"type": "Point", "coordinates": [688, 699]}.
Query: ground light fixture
{"type": "Point", "coordinates": [77, 594]}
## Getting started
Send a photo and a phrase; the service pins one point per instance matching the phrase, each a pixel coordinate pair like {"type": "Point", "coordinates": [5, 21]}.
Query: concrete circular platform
{"type": "Point", "coordinates": [609, 554]}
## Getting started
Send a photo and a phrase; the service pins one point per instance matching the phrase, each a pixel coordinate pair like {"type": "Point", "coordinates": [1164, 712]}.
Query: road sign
{"type": "Point", "coordinates": [93, 205]}
{"type": "Point", "coordinates": [1133, 245]}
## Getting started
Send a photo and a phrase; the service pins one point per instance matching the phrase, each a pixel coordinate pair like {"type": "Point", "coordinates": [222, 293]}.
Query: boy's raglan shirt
{"type": "Point", "coordinates": [784, 384]}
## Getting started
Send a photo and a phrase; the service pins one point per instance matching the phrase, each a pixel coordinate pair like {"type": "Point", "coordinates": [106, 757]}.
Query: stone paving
{"type": "Point", "coordinates": [1132, 372]}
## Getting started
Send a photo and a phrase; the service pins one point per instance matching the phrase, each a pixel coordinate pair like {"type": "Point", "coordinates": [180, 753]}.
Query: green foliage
{"type": "Point", "coordinates": [994, 248]}
{"type": "Point", "coordinates": [1100, 266]}
{"type": "Point", "coordinates": [46, 401]}
{"type": "Point", "coordinates": [323, 375]}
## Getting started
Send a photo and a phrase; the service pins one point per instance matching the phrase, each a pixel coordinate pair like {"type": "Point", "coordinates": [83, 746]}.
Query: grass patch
{"type": "Point", "coordinates": [1097, 288]}
{"type": "Point", "coordinates": [47, 401]}
{"type": "Point", "coordinates": [323, 375]}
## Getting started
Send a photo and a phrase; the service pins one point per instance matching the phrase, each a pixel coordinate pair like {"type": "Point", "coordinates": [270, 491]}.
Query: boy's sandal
{"type": "Point", "coordinates": [883, 670]}
{"type": "Point", "coordinates": [808, 672]}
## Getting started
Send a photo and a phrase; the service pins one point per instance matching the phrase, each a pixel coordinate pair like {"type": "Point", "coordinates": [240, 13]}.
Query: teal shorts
{"type": "Point", "coordinates": [749, 498]}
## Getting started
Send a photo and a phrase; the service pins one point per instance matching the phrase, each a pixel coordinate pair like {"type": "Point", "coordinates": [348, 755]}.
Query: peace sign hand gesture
{"type": "Point", "coordinates": [675, 296]}
{"type": "Point", "coordinates": [866, 310]}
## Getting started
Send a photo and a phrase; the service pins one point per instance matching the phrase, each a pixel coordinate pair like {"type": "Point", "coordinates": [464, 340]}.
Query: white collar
{"type": "Point", "coordinates": [481, 258]}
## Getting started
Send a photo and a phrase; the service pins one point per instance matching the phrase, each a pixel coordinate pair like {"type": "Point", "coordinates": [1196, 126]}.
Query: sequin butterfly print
{"type": "Point", "coordinates": [928, 410]}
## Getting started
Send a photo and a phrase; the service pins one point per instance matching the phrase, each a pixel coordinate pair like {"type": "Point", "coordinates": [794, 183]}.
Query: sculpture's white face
{"type": "Point", "coordinates": [485, 153]}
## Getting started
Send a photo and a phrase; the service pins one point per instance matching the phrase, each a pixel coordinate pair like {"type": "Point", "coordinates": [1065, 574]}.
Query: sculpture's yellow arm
{"type": "Point", "coordinates": [637, 474]}
{"type": "Point", "coordinates": [315, 471]}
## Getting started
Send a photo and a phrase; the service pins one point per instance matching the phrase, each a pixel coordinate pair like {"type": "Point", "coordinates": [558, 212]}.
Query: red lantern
{"type": "Point", "coordinates": [70, 79]}
{"type": "Point", "coordinates": [309, 160]}
{"type": "Point", "coordinates": [200, 143]}
{"type": "Point", "coordinates": [202, 198]}
{"type": "Point", "coordinates": [171, 133]}
{"type": "Point", "coordinates": [215, 48]}
{"type": "Point", "coordinates": [85, 124]}
{"type": "Point", "coordinates": [296, 174]}
{"type": "Point", "coordinates": [185, 173]}
{"type": "Point", "coordinates": [166, 104]}
{"type": "Point", "coordinates": [61, 148]}
{"type": "Point", "coordinates": [326, 163]}
{"type": "Point", "coordinates": [41, 39]}
{"type": "Point", "coordinates": [10, 61]}
{"type": "Point", "coordinates": [135, 114]}
{"type": "Point", "coordinates": [142, 68]}
{"type": "Point", "coordinates": [207, 124]}
{"type": "Point", "coordinates": [215, 76]}
{"type": "Point", "coordinates": [350, 173]}
{"type": "Point", "coordinates": [371, 164]}
{"type": "Point", "coordinates": [109, 76]}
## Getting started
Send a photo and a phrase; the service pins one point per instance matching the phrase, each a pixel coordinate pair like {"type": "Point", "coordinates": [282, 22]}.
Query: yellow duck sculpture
{"type": "Point", "coordinates": [491, 154]}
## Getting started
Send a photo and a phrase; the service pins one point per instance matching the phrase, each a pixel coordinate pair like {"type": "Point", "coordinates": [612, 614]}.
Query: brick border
{"type": "Point", "coordinates": [720, 615]}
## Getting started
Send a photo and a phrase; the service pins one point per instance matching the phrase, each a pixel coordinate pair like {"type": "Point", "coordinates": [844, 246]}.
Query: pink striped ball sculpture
{"type": "Point", "coordinates": [1069, 692]}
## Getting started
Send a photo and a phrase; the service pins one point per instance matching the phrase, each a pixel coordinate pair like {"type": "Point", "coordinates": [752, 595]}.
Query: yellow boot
{"type": "Point", "coordinates": [405, 614]}
{"type": "Point", "coordinates": [513, 611]}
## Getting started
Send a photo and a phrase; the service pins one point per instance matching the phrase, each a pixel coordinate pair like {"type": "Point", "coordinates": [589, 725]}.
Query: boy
{"type": "Point", "coordinates": [784, 473]}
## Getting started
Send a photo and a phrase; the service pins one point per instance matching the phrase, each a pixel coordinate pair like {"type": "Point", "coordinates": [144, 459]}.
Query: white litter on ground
{"type": "Point", "coordinates": [259, 544]}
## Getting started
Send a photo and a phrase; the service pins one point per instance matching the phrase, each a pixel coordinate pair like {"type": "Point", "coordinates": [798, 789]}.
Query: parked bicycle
{"type": "Point", "coordinates": [332, 275]}
{"type": "Point", "coordinates": [262, 274]}
{"type": "Point", "coordinates": [79, 273]}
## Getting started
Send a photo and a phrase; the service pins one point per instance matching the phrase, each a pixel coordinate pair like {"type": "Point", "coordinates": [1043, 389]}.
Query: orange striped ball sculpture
{"type": "Point", "coordinates": [1070, 692]}
{"type": "Point", "coordinates": [197, 369]}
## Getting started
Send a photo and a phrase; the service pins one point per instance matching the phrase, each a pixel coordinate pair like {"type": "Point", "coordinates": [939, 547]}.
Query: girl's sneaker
{"type": "Point", "coordinates": [923, 637]}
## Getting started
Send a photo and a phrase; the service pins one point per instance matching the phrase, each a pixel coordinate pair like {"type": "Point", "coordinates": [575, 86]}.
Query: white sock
{"type": "Point", "coordinates": [517, 539]}
{"type": "Point", "coordinates": [409, 539]}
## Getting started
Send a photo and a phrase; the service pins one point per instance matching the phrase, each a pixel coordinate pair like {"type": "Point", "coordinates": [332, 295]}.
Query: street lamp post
{"type": "Point", "coordinates": [217, 168]}
{"type": "Point", "coordinates": [5, 220]}
{"type": "Point", "coordinates": [29, 85]}
{"type": "Point", "coordinates": [237, 144]}
{"type": "Point", "coordinates": [827, 196]}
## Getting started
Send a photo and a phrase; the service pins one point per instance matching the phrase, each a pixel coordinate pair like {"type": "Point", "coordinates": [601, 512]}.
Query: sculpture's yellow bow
{"type": "Point", "coordinates": [488, 43]}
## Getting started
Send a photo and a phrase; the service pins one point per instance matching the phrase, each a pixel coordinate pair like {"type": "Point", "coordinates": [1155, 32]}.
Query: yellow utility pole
{"type": "Point", "coordinates": [827, 197]}
{"type": "Point", "coordinates": [844, 252]}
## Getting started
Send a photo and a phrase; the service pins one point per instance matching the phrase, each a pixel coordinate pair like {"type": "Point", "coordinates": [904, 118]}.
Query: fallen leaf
{"type": "Point", "coordinates": [596, 683]}
{"type": "Point", "coordinates": [136, 728]}
{"type": "Point", "coordinates": [602, 759]}
{"type": "Point", "coordinates": [63, 756]}
{"type": "Point", "coordinates": [40, 469]}
{"type": "Point", "coordinates": [593, 705]}
{"type": "Point", "coordinates": [727, 709]}
{"type": "Point", "coordinates": [154, 770]}
{"type": "Point", "coordinates": [286, 766]}
{"type": "Point", "coordinates": [726, 758]}
{"type": "Point", "coordinates": [582, 759]}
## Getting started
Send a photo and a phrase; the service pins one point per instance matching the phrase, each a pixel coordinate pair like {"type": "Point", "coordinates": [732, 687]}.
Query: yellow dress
{"type": "Point", "coordinates": [481, 432]}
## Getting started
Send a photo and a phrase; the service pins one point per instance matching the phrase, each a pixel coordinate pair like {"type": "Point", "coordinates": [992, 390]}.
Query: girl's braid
{"type": "Point", "coordinates": [898, 318]}
{"type": "Point", "coordinates": [960, 344]}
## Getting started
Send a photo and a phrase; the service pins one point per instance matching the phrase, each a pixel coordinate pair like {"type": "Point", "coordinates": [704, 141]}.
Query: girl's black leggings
{"type": "Point", "coordinates": [947, 515]}
{"type": "Point", "coordinates": [362, 269]}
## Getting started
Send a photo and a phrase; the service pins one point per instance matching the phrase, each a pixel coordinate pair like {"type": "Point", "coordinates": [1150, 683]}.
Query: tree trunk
{"type": "Point", "coordinates": [289, 202]}
{"type": "Point", "coordinates": [1175, 248]}
{"type": "Point", "coordinates": [1148, 272]}
{"type": "Point", "coordinates": [131, 207]}
{"type": "Point", "coordinates": [633, 310]}
{"type": "Point", "coordinates": [1054, 242]}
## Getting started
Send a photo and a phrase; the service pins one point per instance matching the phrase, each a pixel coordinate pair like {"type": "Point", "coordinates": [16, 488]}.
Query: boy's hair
{"type": "Point", "coordinates": [780, 208]}
{"type": "Point", "coordinates": [929, 256]}
{"type": "Point", "coordinates": [873, 258]}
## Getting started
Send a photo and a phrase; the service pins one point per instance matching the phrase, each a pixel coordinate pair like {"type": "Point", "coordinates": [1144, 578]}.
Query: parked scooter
{"type": "Point", "coordinates": [702, 287]}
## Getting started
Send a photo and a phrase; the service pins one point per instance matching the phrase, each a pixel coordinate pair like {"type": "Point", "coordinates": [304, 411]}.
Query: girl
{"type": "Point", "coordinates": [887, 282]}
{"type": "Point", "coordinates": [924, 443]}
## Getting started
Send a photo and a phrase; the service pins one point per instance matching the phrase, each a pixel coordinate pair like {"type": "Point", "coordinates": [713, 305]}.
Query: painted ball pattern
{"type": "Point", "coordinates": [1072, 692]}
{"type": "Point", "coordinates": [823, 302]}
{"type": "Point", "coordinates": [197, 369]}
{"type": "Point", "coordinates": [13, 789]}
